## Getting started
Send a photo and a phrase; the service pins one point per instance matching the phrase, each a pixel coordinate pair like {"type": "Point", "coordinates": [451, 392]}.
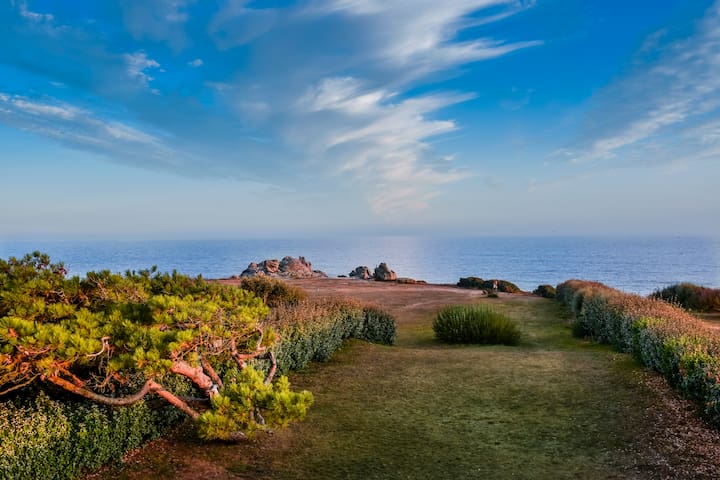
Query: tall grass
{"type": "Point", "coordinates": [475, 324]}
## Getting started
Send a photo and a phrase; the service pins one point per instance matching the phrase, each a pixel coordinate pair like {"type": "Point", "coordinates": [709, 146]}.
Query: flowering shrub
{"type": "Point", "coordinates": [662, 336]}
{"type": "Point", "coordinates": [691, 297]}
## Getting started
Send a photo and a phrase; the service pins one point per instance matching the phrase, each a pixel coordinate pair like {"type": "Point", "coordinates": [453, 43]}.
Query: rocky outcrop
{"type": "Point", "coordinates": [363, 273]}
{"type": "Point", "coordinates": [288, 267]}
{"type": "Point", "coordinates": [384, 274]}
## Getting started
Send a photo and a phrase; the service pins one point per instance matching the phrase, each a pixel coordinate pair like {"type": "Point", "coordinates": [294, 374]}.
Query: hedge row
{"type": "Point", "coordinates": [662, 336]}
{"type": "Point", "coordinates": [314, 330]}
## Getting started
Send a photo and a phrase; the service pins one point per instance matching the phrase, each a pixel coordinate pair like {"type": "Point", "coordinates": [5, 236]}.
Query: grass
{"type": "Point", "coordinates": [554, 407]}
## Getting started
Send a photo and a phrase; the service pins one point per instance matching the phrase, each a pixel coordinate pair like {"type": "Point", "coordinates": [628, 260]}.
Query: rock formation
{"type": "Point", "coordinates": [363, 273]}
{"type": "Point", "coordinates": [288, 267]}
{"type": "Point", "coordinates": [384, 274]}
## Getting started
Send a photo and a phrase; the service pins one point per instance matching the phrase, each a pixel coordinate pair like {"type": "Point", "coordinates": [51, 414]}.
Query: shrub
{"type": "Point", "coordinates": [664, 337]}
{"type": "Point", "coordinates": [691, 297]}
{"type": "Point", "coordinates": [49, 439]}
{"type": "Point", "coordinates": [475, 324]}
{"type": "Point", "coordinates": [314, 330]}
{"type": "Point", "coordinates": [545, 291]}
{"type": "Point", "coordinates": [274, 292]}
{"type": "Point", "coordinates": [479, 283]}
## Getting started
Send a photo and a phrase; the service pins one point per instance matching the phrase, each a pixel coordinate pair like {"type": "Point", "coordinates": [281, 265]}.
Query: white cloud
{"type": "Point", "coordinates": [137, 63]}
{"type": "Point", "coordinates": [655, 100]}
{"type": "Point", "coordinates": [198, 62]}
{"type": "Point", "coordinates": [79, 127]}
{"type": "Point", "coordinates": [34, 16]}
{"type": "Point", "coordinates": [426, 38]}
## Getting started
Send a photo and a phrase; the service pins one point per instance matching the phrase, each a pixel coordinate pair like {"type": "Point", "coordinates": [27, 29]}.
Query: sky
{"type": "Point", "coordinates": [229, 119]}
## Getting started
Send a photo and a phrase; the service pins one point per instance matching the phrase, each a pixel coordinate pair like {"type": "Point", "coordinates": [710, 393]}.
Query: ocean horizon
{"type": "Point", "coordinates": [632, 264]}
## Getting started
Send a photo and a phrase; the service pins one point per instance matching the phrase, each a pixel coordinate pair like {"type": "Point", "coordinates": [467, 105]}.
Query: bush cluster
{"type": "Point", "coordinates": [662, 336]}
{"type": "Point", "coordinates": [314, 330]}
{"type": "Point", "coordinates": [479, 283]}
{"type": "Point", "coordinates": [545, 291]}
{"type": "Point", "coordinates": [475, 324]}
{"type": "Point", "coordinates": [274, 292]}
{"type": "Point", "coordinates": [50, 439]}
{"type": "Point", "coordinates": [691, 297]}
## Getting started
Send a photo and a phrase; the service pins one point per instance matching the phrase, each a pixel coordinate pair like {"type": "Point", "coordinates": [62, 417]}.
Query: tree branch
{"type": "Point", "coordinates": [96, 397]}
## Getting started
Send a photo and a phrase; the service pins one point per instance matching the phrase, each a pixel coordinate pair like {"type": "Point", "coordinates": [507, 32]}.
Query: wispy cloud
{"type": "Point", "coordinates": [309, 89]}
{"type": "Point", "coordinates": [138, 64]}
{"type": "Point", "coordinates": [79, 128]}
{"type": "Point", "coordinates": [657, 100]}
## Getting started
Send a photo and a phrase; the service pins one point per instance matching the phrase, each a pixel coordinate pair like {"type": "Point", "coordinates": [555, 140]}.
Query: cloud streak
{"type": "Point", "coordinates": [641, 114]}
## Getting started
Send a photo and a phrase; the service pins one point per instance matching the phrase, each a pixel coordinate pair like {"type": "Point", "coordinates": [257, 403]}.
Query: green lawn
{"type": "Point", "coordinates": [554, 407]}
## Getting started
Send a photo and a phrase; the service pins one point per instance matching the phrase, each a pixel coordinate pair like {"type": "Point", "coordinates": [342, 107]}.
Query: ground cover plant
{"type": "Point", "coordinates": [664, 337]}
{"type": "Point", "coordinates": [475, 324]}
{"type": "Point", "coordinates": [691, 297]}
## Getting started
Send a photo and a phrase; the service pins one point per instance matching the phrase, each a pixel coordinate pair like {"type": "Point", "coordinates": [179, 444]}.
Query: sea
{"type": "Point", "coordinates": [632, 264]}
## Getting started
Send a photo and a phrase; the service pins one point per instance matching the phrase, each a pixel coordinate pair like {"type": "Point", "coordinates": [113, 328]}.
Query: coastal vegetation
{"type": "Point", "coordinates": [553, 407]}
{"type": "Point", "coordinates": [545, 291]}
{"type": "Point", "coordinates": [475, 324]}
{"type": "Point", "coordinates": [274, 292]}
{"type": "Point", "coordinates": [691, 297]}
{"type": "Point", "coordinates": [479, 283]}
{"type": "Point", "coordinates": [209, 351]}
{"type": "Point", "coordinates": [662, 336]}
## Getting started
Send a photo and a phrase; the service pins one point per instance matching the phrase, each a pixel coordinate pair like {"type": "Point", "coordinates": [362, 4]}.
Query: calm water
{"type": "Point", "coordinates": [630, 264]}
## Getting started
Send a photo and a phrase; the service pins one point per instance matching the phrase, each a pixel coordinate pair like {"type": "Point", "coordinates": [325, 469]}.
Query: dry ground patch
{"type": "Point", "coordinates": [554, 407]}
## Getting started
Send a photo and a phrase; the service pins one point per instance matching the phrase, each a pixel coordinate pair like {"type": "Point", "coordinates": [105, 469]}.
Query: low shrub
{"type": "Point", "coordinates": [274, 292]}
{"type": "Point", "coordinates": [662, 336]}
{"type": "Point", "coordinates": [545, 291]}
{"type": "Point", "coordinates": [314, 330]}
{"type": "Point", "coordinates": [691, 297]}
{"type": "Point", "coordinates": [479, 283]}
{"type": "Point", "coordinates": [50, 439]}
{"type": "Point", "coordinates": [475, 324]}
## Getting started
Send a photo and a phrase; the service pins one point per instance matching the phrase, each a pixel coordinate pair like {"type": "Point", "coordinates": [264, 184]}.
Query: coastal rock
{"type": "Point", "coordinates": [363, 273]}
{"type": "Point", "coordinates": [288, 267]}
{"type": "Point", "coordinates": [384, 274]}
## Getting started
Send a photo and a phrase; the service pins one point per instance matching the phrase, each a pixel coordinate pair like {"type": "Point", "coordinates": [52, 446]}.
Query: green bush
{"type": "Point", "coordinates": [51, 439]}
{"type": "Point", "coordinates": [691, 297]}
{"type": "Point", "coordinates": [274, 292]}
{"type": "Point", "coordinates": [662, 336]}
{"type": "Point", "coordinates": [475, 324]}
{"type": "Point", "coordinates": [314, 330]}
{"type": "Point", "coordinates": [545, 291]}
{"type": "Point", "coordinates": [479, 283]}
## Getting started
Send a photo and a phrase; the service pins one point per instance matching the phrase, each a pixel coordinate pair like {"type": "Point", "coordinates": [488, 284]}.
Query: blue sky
{"type": "Point", "coordinates": [192, 119]}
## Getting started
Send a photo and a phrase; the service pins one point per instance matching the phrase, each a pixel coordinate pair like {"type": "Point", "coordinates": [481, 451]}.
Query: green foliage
{"type": "Point", "coordinates": [545, 291]}
{"type": "Point", "coordinates": [664, 337]}
{"type": "Point", "coordinates": [479, 283]}
{"type": "Point", "coordinates": [274, 292]}
{"type": "Point", "coordinates": [49, 439]}
{"type": "Point", "coordinates": [691, 297]}
{"type": "Point", "coordinates": [115, 338]}
{"type": "Point", "coordinates": [314, 330]}
{"type": "Point", "coordinates": [475, 324]}
{"type": "Point", "coordinates": [248, 404]}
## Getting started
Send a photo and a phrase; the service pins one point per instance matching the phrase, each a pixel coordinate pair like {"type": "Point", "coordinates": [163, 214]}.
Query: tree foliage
{"type": "Point", "coordinates": [116, 338]}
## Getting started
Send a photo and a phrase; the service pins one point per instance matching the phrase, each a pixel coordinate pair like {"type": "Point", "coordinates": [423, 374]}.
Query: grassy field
{"type": "Point", "coordinates": [552, 407]}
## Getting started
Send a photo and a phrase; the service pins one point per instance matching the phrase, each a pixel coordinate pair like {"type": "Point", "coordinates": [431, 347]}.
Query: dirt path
{"type": "Point", "coordinates": [554, 408]}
